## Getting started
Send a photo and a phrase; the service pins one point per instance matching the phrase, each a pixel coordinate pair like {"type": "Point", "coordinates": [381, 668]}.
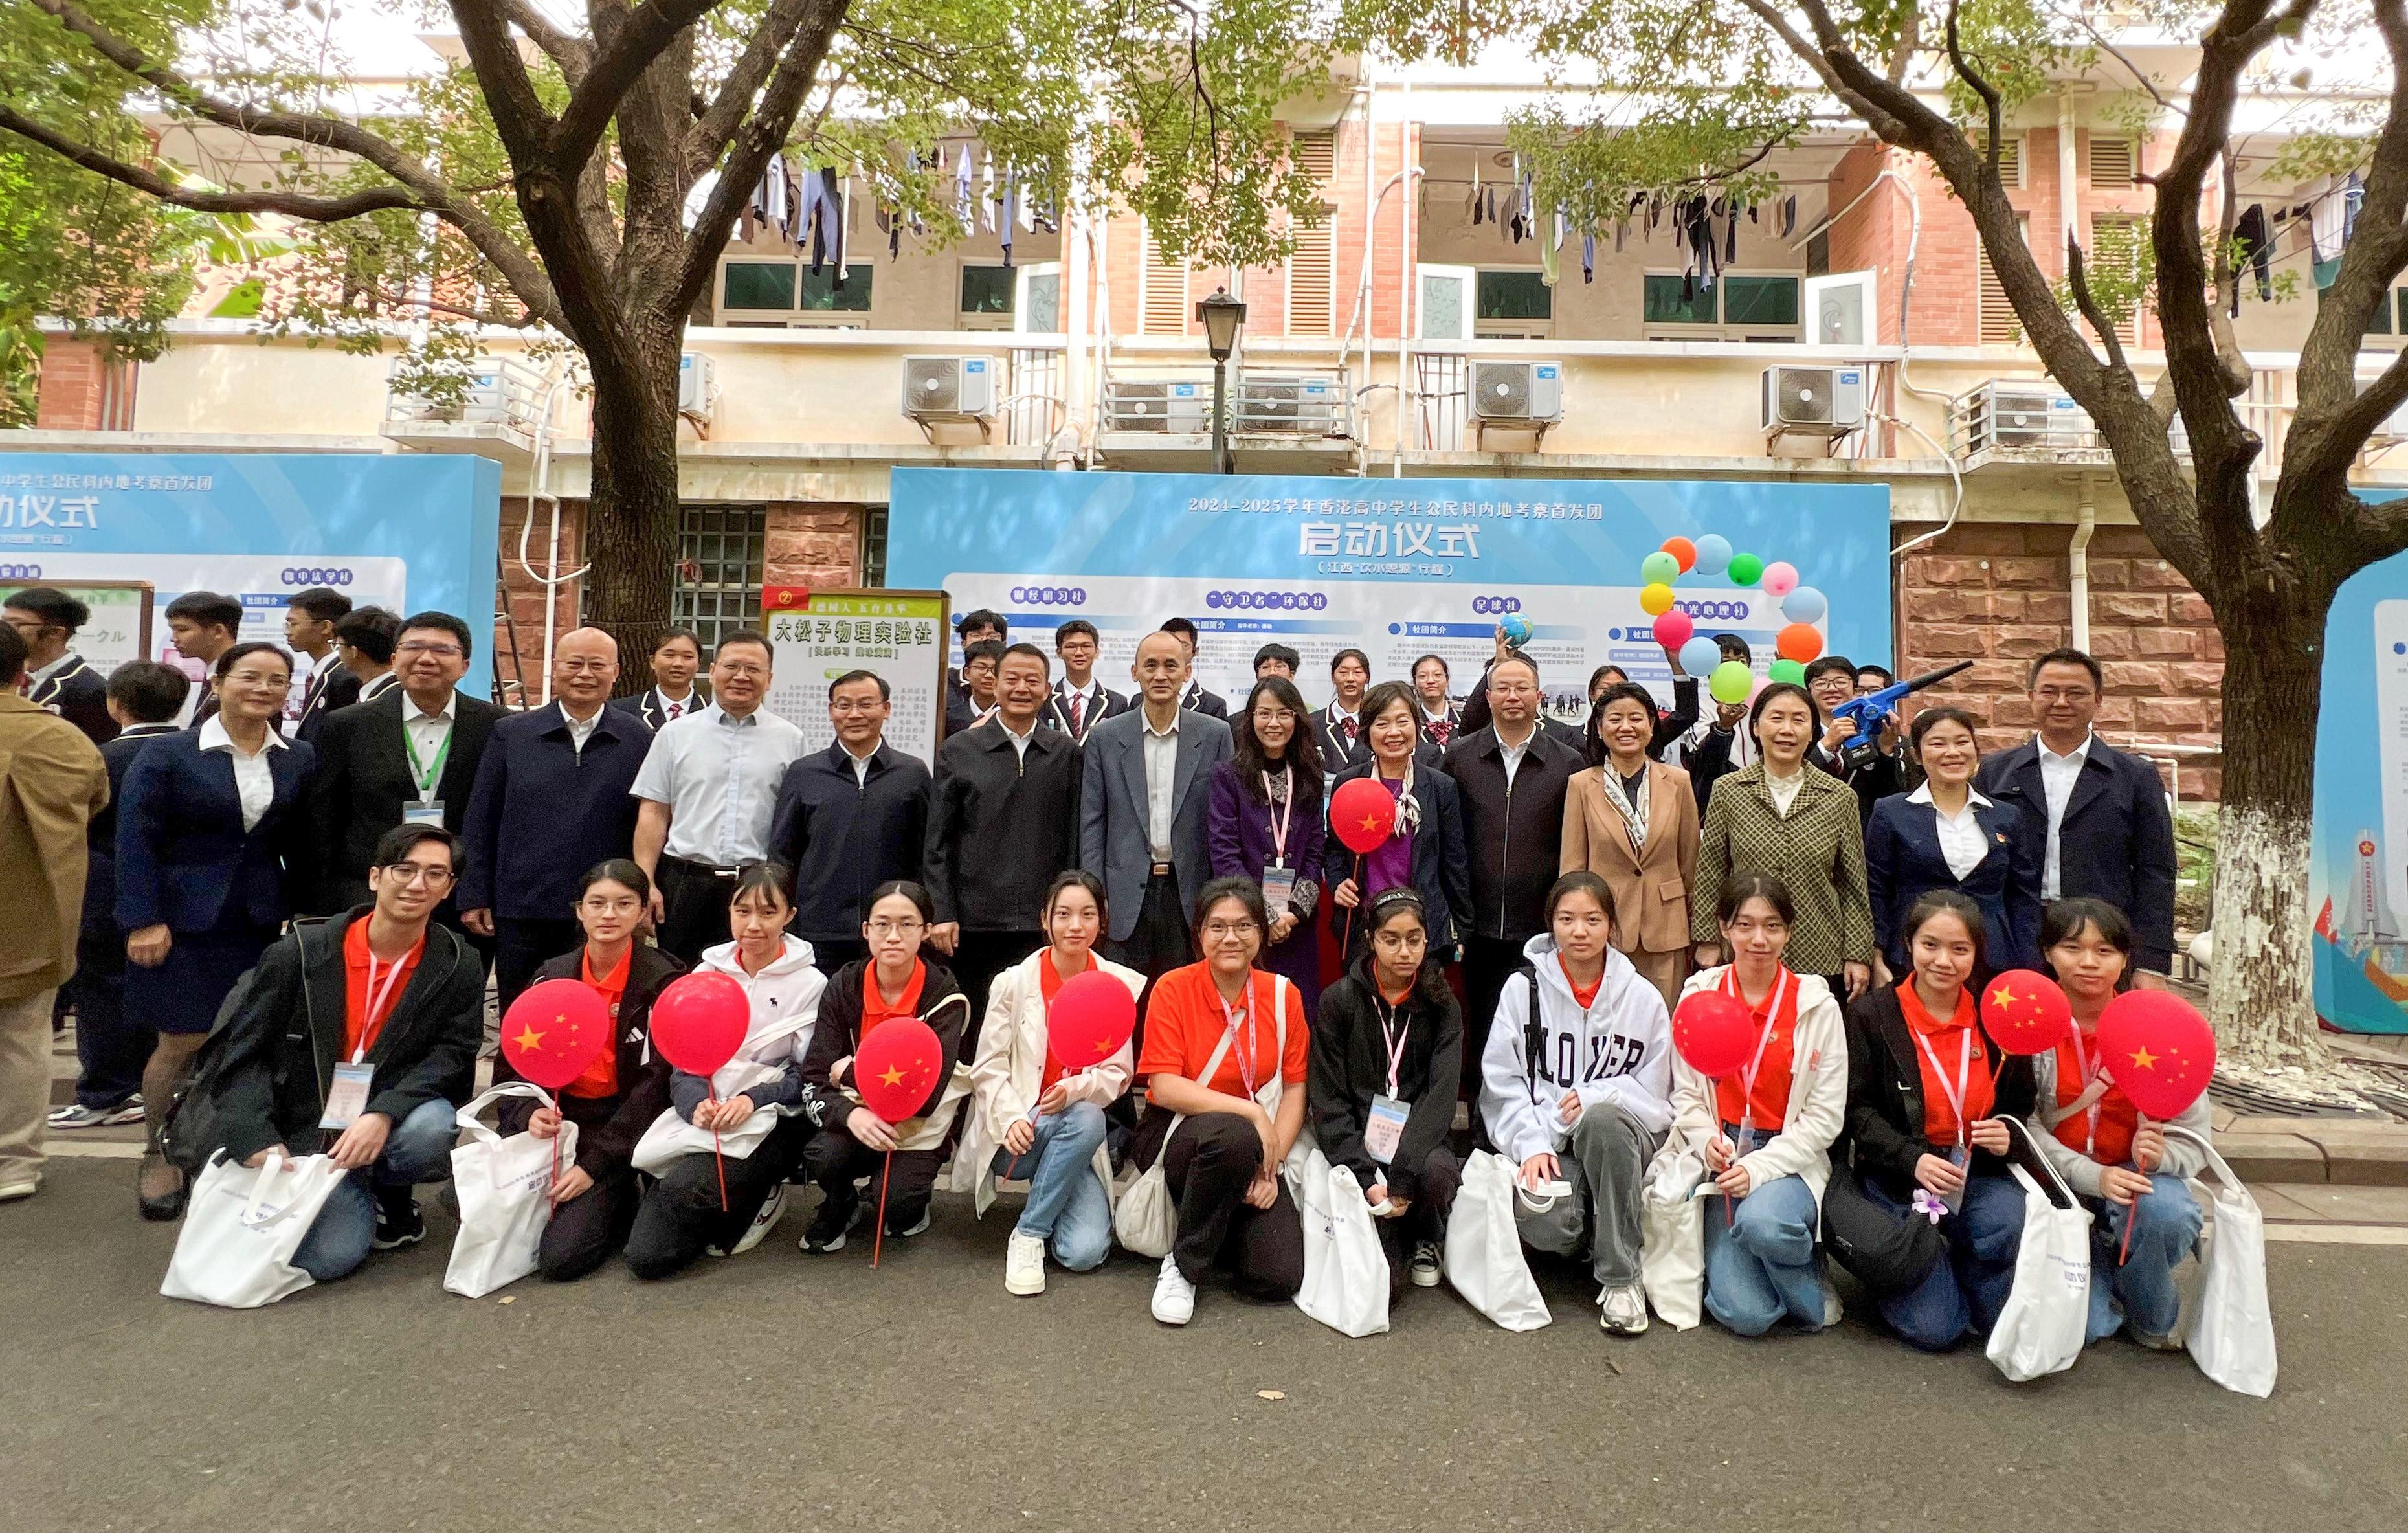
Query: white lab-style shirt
{"type": "Point", "coordinates": [2057, 776]}
{"type": "Point", "coordinates": [254, 781]}
{"type": "Point", "coordinates": [1962, 840]}
{"type": "Point", "coordinates": [427, 733]}
{"type": "Point", "coordinates": [718, 775]}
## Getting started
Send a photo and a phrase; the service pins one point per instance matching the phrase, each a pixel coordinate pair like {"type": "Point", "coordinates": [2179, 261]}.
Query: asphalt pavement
{"type": "Point", "coordinates": [777, 1390]}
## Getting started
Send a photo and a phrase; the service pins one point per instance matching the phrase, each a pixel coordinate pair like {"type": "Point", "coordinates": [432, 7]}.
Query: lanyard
{"type": "Point", "coordinates": [1396, 1037]}
{"type": "Point", "coordinates": [1964, 1073]}
{"type": "Point", "coordinates": [2089, 1079]}
{"type": "Point", "coordinates": [1245, 1050]}
{"type": "Point", "coordinates": [1772, 1019]}
{"type": "Point", "coordinates": [380, 1001]}
{"type": "Point", "coordinates": [425, 776]}
{"type": "Point", "coordinates": [1282, 814]}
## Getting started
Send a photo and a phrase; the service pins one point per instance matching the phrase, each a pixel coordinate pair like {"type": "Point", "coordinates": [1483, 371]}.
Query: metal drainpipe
{"type": "Point", "coordinates": [2077, 554]}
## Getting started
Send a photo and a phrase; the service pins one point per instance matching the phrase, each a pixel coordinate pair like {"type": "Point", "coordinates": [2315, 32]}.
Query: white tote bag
{"type": "Point", "coordinates": [671, 1138]}
{"type": "Point", "coordinates": [2047, 1314]}
{"type": "Point", "coordinates": [1345, 1272]}
{"type": "Point", "coordinates": [1145, 1219]}
{"type": "Point", "coordinates": [1672, 1239]}
{"type": "Point", "coordinates": [242, 1227]}
{"type": "Point", "coordinates": [2232, 1330]}
{"type": "Point", "coordinates": [1483, 1248]}
{"type": "Point", "coordinates": [505, 1191]}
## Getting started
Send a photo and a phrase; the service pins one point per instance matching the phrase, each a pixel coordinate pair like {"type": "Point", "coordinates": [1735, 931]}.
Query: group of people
{"type": "Point", "coordinates": [1515, 942]}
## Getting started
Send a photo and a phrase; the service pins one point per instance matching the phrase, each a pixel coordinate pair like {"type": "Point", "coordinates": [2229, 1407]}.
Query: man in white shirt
{"type": "Point", "coordinates": [705, 794]}
{"type": "Point", "coordinates": [1079, 701]}
{"type": "Point", "coordinates": [1142, 801]}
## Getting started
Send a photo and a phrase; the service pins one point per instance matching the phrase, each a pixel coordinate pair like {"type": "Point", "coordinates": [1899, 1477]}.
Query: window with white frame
{"type": "Point", "coordinates": [1740, 305]}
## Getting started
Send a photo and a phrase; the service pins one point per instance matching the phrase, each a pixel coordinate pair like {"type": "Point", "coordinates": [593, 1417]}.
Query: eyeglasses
{"type": "Point", "coordinates": [1220, 929]}
{"type": "Point", "coordinates": [2064, 694]}
{"type": "Point", "coordinates": [417, 646]}
{"type": "Point", "coordinates": [609, 905]}
{"type": "Point", "coordinates": [585, 667]}
{"type": "Point", "coordinates": [1400, 942]}
{"type": "Point", "coordinates": [426, 873]}
{"type": "Point", "coordinates": [894, 928]}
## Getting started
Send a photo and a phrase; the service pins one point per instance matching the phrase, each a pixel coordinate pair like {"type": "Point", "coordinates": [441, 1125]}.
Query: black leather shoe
{"type": "Point", "coordinates": [164, 1210]}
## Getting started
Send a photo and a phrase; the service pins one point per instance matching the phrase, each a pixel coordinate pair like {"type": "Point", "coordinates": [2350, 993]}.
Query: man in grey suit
{"type": "Point", "coordinates": [1147, 782]}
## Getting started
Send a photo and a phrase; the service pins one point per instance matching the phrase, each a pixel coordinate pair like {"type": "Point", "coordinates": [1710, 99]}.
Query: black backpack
{"type": "Point", "coordinates": [189, 1131]}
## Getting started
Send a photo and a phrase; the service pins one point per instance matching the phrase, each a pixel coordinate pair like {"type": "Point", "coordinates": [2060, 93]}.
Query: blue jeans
{"type": "Point", "coordinates": [418, 1150]}
{"type": "Point", "coordinates": [2143, 1288]}
{"type": "Point", "coordinates": [1067, 1206]}
{"type": "Point", "coordinates": [1968, 1286]}
{"type": "Point", "coordinates": [1760, 1256]}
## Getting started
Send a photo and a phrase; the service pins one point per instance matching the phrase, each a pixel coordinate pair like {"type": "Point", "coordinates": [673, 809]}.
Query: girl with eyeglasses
{"type": "Point", "coordinates": [1224, 1059]}
{"type": "Point", "coordinates": [1037, 1117]}
{"type": "Point", "coordinates": [1386, 1057]}
{"type": "Point", "coordinates": [595, 1199]}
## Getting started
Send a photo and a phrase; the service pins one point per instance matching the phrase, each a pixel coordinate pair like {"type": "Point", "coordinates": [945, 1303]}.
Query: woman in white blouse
{"type": "Point", "coordinates": [1946, 835]}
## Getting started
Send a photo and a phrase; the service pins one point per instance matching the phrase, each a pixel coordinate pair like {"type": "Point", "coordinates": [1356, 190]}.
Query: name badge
{"type": "Point", "coordinates": [1385, 1130]}
{"type": "Point", "coordinates": [428, 813]}
{"type": "Point", "coordinates": [1957, 1156]}
{"type": "Point", "coordinates": [1279, 889]}
{"type": "Point", "coordinates": [348, 1097]}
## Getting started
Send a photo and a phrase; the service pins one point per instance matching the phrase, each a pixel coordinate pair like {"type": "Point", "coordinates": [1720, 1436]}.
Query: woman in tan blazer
{"type": "Point", "coordinates": [1633, 822]}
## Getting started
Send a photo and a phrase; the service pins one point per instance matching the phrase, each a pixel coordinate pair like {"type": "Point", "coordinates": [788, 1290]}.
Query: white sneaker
{"type": "Point", "coordinates": [1023, 1265]}
{"type": "Point", "coordinates": [1623, 1312]}
{"type": "Point", "coordinates": [773, 1208]}
{"type": "Point", "coordinates": [1174, 1297]}
{"type": "Point", "coordinates": [1427, 1265]}
{"type": "Point", "coordinates": [1830, 1303]}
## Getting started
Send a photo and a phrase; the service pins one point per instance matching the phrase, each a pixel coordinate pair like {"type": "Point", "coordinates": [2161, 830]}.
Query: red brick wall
{"type": "Point", "coordinates": [1997, 595]}
{"type": "Point", "coordinates": [80, 392]}
{"type": "Point", "coordinates": [812, 543]}
{"type": "Point", "coordinates": [522, 598]}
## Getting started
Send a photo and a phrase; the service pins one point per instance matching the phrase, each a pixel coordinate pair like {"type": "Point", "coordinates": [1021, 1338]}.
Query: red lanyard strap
{"type": "Point", "coordinates": [378, 1001]}
{"type": "Point", "coordinates": [1245, 1051]}
{"type": "Point", "coordinates": [1771, 1019]}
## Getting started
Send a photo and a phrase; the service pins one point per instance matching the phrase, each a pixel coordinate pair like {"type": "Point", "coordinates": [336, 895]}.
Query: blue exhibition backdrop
{"type": "Point", "coordinates": [420, 531]}
{"type": "Point", "coordinates": [2358, 884]}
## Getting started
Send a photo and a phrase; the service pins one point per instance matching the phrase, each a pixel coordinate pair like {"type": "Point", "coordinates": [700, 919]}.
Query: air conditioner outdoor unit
{"type": "Point", "coordinates": [485, 402]}
{"type": "Point", "coordinates": [2036, 417]}
{"type": "Point", "coordinates": [1813, 401]}
{"type": "Point", "coordinates": [949, 388]}
{"type": "Point", "coordinates": [1528, 392]}
{"type": "Point", "coordinates": [1286, 403]}
{"type": "Point", "coordinates": [695, 390]}
{"type": "Point", "coordinates": [1176, 409]}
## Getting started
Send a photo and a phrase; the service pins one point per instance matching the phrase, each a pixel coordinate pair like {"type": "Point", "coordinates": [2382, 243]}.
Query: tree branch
{"type": "Point", "coordinates": [2079, 279]}
{"type": "Point", "coordinates": [519, 116]}
{"type": "Point", "coordinates": [1992, 107]}
{"type": "Point", "coordinates": [574, 55]}
{"type": "Point", "coordinates": [717, 122]}
{"type": "Point", "coordinates": [632, 46]}
{"type": "Point", "coordinates": [292, 203]}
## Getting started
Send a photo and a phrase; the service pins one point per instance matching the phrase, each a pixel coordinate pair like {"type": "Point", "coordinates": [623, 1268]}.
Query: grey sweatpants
{"type": "Point", "coordinates": [1606, 1163]}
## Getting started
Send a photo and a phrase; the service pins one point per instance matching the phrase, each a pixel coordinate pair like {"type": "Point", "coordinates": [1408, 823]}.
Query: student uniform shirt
{"type": "Point", "coordinates": [2110, 1143]}
{"type": "Point", "coordinates": [1766, 1107]}
{"type": "Point", "coordinates": [1945, 1041]}
{"type": "Point", "coordinates": [601, 1077]}
{"type": "Point", "coordinates": [874, 1008]}
{"type": "Point", "coordinates": [360, 1030]}
{"type": "Point", "coordinates": [1185, 1023]}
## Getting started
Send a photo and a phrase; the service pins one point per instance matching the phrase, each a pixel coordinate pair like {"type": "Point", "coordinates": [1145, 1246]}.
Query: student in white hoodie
{"type": "Point", "coordinates": [1765, 1133]}
{"type": "Point", "coordinates": [1034, 1117]}
{"type": "Point", "coordinates": [1575, 1088]}
{"type": "Point", "coordinates": [681, 1217]}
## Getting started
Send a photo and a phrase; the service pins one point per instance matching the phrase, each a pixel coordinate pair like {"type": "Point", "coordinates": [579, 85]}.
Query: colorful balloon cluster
{"type": "Point", "coordinates": [1729, 680]}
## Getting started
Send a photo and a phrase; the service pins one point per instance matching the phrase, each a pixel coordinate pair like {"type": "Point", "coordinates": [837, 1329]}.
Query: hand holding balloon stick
{"type": "Point", "coordinates": [1362, 814]}
{"type": "Point", "coordinates": [1092, 1017]}
{"type": "Point", "coordinates": [551, 1035]}
{"type": "Point", "coordinates": [898, 1064]}
{"type": "Point", "coordinates": [698, 1023]}
{"type": "Point", "coordinates": [2161, 1053]}
{"type": "Point", "coordinates": [1712, 1031]}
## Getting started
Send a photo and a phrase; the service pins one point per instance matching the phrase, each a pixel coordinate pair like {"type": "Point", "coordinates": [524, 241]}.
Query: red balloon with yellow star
{"type": "Point", "coordinates": [699, 1020]}
{"type": "Point", "coordinates": [1362, 814]}
{"type": "Point", "coordinates": [2026, 1013]}
{"type": "Point", "coordinates": [554, 1031]}
{"type": "Point", "coordinates": [1092, 1019]}
{"type": "Point", "coordinates": [898, 1068]}
{"type": "Point", "coordinates": [2159, 1050]}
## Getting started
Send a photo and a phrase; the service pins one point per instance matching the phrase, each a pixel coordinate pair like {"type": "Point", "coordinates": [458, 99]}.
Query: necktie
{"type": "Point", "coordinates": [1076, 699]}
{"type": "Point", "coordinates": [1348, 725]}
{"type": "Point", "coordinates": [674, 708]}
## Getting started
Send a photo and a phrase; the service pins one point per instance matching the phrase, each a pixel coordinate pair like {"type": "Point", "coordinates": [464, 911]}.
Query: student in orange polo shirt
{"type": "Point", "coordinates": [1222, 1118]}
{"type": "Point", "coordinates": [593, 1202]}
{"type": "Point", "coordinates": [2097, 1139]}
{"type": "Point", "coordinates": [1928, 1096]}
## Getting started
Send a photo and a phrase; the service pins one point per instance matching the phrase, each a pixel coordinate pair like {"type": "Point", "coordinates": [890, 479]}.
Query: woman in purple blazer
{"type": "Point", "coordinates": [1266, 824]}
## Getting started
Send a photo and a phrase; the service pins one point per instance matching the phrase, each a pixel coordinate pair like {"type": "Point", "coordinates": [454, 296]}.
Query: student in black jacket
{"type": "Point", "coordinates": [1387, 1055]}
{"type": "Point", "coordinates": [593, 1202]}
{"type": "Point", "coordinates": [1005, 820]}
{"type": "Point", "coordinates": [1831, 680]}
{"type": "Point", "coordinates": [1928, 1099]}
{"type": "Point", "coordinates": [266, 1083]}
{"type": "Point", "coordinates": [56, 677]}
{"type": "Point", "coordinates": [895, 980]}
{"type": "Point", "coordinates": [850, 818]}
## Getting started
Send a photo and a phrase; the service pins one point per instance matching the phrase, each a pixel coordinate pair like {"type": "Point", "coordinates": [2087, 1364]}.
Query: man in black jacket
{"type": "Point", "coordinates": [316, 1053]}
{"type": "Point", "coordinates": [1831, 681]}
{"type": "Point", "coordinates": [1512, 776]}
{"type": "Point", "coordinates": [849, 818]}
{"type": "Point", "coordinates": [310, 620]}
{"type": "Point", "coordinates": [56, 677]}
{"type": "Point", "coordinates": [1005, 820]}
{"type": "Point", "coordinates": [2096, 817]}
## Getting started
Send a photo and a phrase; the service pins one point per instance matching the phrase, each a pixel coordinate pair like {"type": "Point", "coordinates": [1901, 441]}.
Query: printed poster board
{"type": "Point", "coordinates": [119, 627]}
{"type": "Point", "coordinates": [817, 636]}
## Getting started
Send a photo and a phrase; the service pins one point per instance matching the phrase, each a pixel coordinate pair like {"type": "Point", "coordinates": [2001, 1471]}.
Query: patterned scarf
{"type": "Point", "coordinates": [1633, 815]}
{"type": "Point", "coordinates": [1409, 809]}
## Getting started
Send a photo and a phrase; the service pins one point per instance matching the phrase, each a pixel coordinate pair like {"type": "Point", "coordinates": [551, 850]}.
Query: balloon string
{"type": "Point", "coordinates": [878, 1239]}
{"type": "Point", "coordinates": [1346, 929]}
{"type": "Point", "coordinates": [718, 1159]}
{"type": "Point", "coordinates": [2132, 1217]}
{"type": "Point", "coordinates": [554, 1105]}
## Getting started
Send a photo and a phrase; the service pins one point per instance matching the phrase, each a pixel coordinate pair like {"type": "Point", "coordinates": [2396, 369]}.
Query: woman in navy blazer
{"type": "Point", "coordinates": [1441, 867]}
{"type": "Point", "coordinates": [1909, 839]}
{"type": "Point", "coordinates": [203, 836]}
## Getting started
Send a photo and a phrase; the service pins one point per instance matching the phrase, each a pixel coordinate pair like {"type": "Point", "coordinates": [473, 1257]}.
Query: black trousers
{"type": "Point", "coordinates": [830, 953]}
{"type": "Point", "coordinates": [694, 899]}
{"type": "Point", "coordinates": [1161, 940]}
{"type": "Point", "coordinates": [1433, 1202]}
{"type": "Point", "coordinates": [1488, 962]}
{"type": "Point", "coordinates": [110, 1047]}
{"type": "Point", "coordinates": [681, 1215]}
{"type": "Point", "coordinates": [836, 1160]}
{"type": "Point", "coordinates": [522, 946]}
{"type": "Point", "coordinates": [980, 956]}
{"type": "Point", "coordinates": [584, 1230]}
{"type": "Point", "coordinates": [1209, 1161]}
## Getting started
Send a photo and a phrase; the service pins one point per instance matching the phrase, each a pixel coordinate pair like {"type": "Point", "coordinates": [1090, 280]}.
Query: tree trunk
{"type": "Point", "coordinates": [631, 516]}
{"type": "Point", "coordinates": [2261, 994]}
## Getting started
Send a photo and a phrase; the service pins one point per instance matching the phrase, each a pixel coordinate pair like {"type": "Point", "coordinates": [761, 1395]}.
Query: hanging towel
{"type": "Point", "coordinates": [962, 208]}
{"type": "Point", "coordinates": [2255, 249]}
{"type": "Point", "coordinates": [821, 221]}
{"type": "Point", "coordinates": [1588, 254]}
{"type": "Point", "coordinates": [1010, 214]}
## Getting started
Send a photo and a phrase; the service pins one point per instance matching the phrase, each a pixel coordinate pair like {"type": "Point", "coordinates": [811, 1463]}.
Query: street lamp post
{"type": "Point", "coordinates": [1221, 316]}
